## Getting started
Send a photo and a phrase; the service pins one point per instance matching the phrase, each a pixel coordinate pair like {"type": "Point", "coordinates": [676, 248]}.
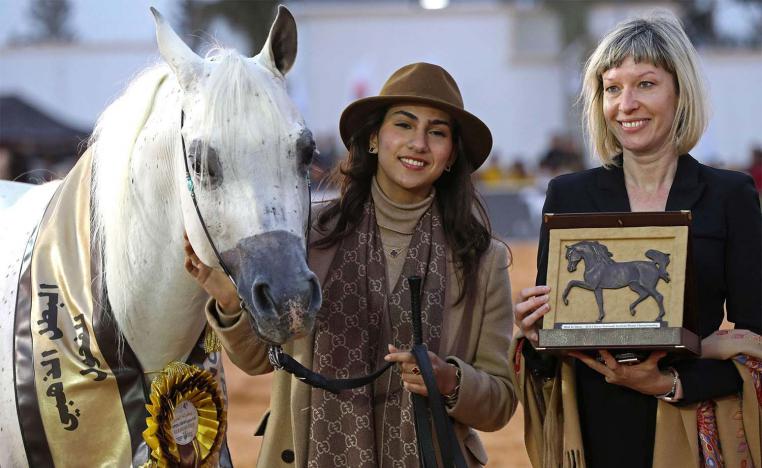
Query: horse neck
{"type": "Point", "coordinates": [156, 304]}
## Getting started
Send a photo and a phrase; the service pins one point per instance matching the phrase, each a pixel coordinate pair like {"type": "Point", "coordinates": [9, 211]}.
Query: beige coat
{"type": "Point", "coordinates": [551, 423]}
{"type": "Point", "coordinates": [486, 399]}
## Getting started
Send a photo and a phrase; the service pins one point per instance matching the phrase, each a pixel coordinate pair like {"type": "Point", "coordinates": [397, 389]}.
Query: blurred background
{"type": "Point", "coordinates": [517, 62]}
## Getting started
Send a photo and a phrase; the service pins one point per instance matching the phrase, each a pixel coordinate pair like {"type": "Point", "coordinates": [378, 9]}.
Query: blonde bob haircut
{"type": "Point", "coordinates": [660, 41]}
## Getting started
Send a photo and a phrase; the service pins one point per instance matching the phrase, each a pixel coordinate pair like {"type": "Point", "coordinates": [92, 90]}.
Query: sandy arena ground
{"type": "Point", "coordinates": [249, 396]}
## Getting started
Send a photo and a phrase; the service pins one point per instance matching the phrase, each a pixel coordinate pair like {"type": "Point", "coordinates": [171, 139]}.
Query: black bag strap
{"type": "Point", "coordinates": [449, 448]}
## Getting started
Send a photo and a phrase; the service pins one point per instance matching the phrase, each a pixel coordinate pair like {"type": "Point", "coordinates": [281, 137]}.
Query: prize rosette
{"type": "Point", "coordinates": [188, 419]}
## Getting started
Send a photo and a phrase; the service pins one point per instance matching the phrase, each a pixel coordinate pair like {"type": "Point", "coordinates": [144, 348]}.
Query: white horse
{"type": "Point", "coordinates": [247, 153]}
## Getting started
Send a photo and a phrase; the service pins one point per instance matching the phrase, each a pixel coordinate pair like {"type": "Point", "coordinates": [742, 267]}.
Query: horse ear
{"type": "Point", "coordinates": [183, 61]}
{"type": "Point", "coordinates": [279, 51]}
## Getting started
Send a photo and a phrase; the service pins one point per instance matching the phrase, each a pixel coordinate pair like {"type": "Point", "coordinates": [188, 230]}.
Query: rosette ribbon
{"type": "Point", "coordinates": [174, 390]}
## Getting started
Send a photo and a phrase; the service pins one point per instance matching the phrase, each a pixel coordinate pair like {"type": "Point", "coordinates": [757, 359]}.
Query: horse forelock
{"type": "Point", "coordinates": [240, 105]}
{"type": "Point", "coordinates": [245, 108]}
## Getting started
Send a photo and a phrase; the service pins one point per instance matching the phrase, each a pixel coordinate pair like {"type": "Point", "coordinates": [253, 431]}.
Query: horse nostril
{"type": "Point", "coordinates": [263, 300]}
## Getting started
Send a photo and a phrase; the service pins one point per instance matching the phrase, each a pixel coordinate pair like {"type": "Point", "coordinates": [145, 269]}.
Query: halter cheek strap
{"type": "Point", "coordinates": [189, 182]}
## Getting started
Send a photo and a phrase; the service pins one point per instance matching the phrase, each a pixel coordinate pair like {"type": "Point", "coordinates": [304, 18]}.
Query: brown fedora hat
{"type": "Point", "coordinates": [423, 83]}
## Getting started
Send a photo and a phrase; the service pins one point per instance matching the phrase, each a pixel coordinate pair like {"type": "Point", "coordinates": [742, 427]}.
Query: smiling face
{"type": "Point", "coordinates": [415, 145]}
{"type": "Point", "coordinates": [639, 104]}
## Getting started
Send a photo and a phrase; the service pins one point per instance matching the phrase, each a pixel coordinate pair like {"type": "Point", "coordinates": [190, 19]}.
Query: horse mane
{"type": "Point", "coordinates": [121, 216]}
{"type": "Point", "coordinates": [113, 214]}
{"type": "Point", "coordinates": [600, 251]}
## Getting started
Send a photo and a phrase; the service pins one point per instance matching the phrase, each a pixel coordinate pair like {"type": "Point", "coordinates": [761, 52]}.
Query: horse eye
{"type": "Point", "coordinates": [305, 147]}
{"type": "Point", "coordinates": [308, 153]}
{"type": "Point", "coordinates": [194, 157]}
{"type": "Point", "coordinates": [212, 173]}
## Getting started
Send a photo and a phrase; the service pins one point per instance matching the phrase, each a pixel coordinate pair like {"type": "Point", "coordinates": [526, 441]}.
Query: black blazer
{"type": "Point", "coordinates": [726, 232]}
{"type": "Point", "coordinates": [726, 235]}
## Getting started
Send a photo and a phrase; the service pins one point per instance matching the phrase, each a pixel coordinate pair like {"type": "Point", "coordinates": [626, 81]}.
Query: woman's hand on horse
{"type": "Point", "coordinates": [645, 377]}
{"type": "Point", "coordinates": [444, 372]}
{"type": "Point", "coordinates": [214, 282]}
{"type": "Point", "coordinates": [532, 305]}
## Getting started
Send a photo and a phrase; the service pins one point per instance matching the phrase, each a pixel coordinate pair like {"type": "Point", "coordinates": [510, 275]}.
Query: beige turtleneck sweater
{"type": "Point", "coordinates": [396, 224]}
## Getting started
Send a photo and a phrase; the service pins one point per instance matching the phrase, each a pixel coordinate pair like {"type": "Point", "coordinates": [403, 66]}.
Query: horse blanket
{"type": "Point", "coordinates": [81, 393]}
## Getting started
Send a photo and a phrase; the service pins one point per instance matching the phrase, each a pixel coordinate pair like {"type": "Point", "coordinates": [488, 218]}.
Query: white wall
{"type": "Point", "coordinates": [735, 92]}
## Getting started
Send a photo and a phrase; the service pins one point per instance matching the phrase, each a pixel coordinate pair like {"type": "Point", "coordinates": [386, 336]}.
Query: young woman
{"type": "Point", "coordinates": [645, 109]}
{"type": "Point", "coordinates": [407, 207]}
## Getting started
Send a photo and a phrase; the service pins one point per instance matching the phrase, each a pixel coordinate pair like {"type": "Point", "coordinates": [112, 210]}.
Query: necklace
{"type": "Point", "coordinates": [394, 251]}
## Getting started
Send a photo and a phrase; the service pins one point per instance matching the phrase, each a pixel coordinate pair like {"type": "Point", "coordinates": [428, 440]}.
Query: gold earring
{"type": "Point", "coordinates": [372, 149]}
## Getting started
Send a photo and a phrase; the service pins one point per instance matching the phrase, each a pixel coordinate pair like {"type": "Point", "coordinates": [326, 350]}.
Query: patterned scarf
{"type": "Point", "coordinates": [373, 425]}
{"type": "Point", "coordinates": [709, 437]}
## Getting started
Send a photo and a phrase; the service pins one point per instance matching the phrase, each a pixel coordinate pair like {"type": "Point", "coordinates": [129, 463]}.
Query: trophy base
{"type": "Point", "coordinates": [676, 339]}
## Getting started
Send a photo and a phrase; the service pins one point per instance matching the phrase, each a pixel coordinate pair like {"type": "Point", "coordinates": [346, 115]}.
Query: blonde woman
{"type": "Point", "coordinates": [645, 108]}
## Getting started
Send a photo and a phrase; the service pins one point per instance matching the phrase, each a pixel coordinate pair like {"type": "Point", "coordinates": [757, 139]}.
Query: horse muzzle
{"type": "Point", "coordinates": [276, 285]}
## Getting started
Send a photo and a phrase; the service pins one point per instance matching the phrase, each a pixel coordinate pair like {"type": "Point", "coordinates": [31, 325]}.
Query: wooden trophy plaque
{"type": "Point", "coordinates": [620, 281]}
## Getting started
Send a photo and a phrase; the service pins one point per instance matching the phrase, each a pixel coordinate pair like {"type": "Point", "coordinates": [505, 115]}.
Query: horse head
{"type": "Point", "coordinates": [573, 256]}
{"type": "Point", "coordinates": [242, 166]}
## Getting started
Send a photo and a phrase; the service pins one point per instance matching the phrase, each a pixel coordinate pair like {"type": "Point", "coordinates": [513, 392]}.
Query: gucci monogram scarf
{"type": "Point", "coordinates": [373, 425]}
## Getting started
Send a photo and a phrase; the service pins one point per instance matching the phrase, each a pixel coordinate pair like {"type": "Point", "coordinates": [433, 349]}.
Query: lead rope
{"type": "Point", "coordinates": [280, 360]}
{"type": "Point", "coordinates": [431, 407]}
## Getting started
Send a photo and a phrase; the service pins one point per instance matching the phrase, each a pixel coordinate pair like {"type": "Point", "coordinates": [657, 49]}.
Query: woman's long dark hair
{"type": "Point", "coordinates": [464, 218]}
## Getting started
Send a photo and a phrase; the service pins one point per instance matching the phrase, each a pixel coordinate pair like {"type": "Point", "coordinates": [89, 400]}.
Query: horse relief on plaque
{"type": "Point", "coordinates": [603, 272]}
{"type": "Point", "coordinates": [618, 280]}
